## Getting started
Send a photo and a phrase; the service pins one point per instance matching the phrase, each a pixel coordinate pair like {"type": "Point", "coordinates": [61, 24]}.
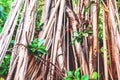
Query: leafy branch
{"type": "Point", "coordinates": [37, 47]}
{"type": "Point", "coordinates": [80, 35]}
{"type": "Point", "coordinates": [75, 75]}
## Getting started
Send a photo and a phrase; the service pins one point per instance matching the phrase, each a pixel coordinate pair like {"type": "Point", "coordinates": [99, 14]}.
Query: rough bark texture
{"type": "Point", "coordinates": [61, 19]}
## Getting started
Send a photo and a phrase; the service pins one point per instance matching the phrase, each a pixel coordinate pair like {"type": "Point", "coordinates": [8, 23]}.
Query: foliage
{"type": "Point", "coordinates": [85, 77]}
{"type": "Point", "coordinates": [80, 35]}
{"type": "Point", "coordinates": [39, 10]}
{"type": "Point", "coordinates": [5, 6]}
{"type": "Point", "coordinates": [95, 75]}
{"type": "Point", "coordinates": [3, 14]}
{"type": "Point", "coordinates": [39, 14]}
{"type": "Point", "coordinates": [89, 6]}
{"type": "Point", "coordinates": [2, 78]}
{"type": "Point", "coordinates": [100, 23]}
{"type": "Point", "coordinates": [38, 25]}
{"type": "Point", "coordinates": [108, 56]}
{"type": "Point", "coordinates": [1, 29]}
{"type": "Point", "coordinates": [2, 17]}
{"type": "Point", "coordinates": [37, 47]}
{"type": "Point", "coordinates": [75, 75]}
{"type": "Point", "coordinates": [5, 65]}
{"type": "Point", "coordinates": [75, 2]}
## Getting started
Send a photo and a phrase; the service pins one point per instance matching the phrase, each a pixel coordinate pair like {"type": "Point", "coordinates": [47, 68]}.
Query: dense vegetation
{"type": "Point", "coordinates": [5, 6]}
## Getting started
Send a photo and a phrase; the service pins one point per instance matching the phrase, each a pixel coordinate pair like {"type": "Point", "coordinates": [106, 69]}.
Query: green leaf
{"type": "Point", "coordinates": [70, 73]}
{"type": "Point", "coordinates": [34, 45]}
{"type": "Point", "coordinates": [102, 49]}
{"type": "Point", "coordinates": [89, 6]}
{"type": "Point", "coordinates": [41, 42]}
{"type": "Point", "coordinates": [1, 8]}
{"type": "Point", "coordinates": [33, 49]}
{"type": "Point", "coordinates": [7, 56]}
{"type": "Point", "coordinates": [78, 69]}
{"type": "Point", "coordinates": [89, 31]}
{"type": "Point", "coordinates": [73, 40]}
{"type": "Point", "coordinates": [85, 77]}
{"type": "Point", "coordinates": [2, 71]}
{"type": "Point", "coordinates": [35, 40]}
{"type": "Point", "coordinates": [1, 78]}
{"type": "Point", "coordinates": [75, 2]}
{"type": "Point", "coordinates": [76, 33]}
{"type": "Point", "coordinates": [67, 78]}
{"type": "Point", "coordinates": [42, 49]}
{"type": "Point", "coordinates": [1, 29]}
{"type": "Point", "coordinates": [85, 34]}
{"type": "Point", "coordinates": [94, 75]}
{"type": "Point", "coordinates": [79, 40]}
{"type": "Point", "coordinates": [3, 14]}
{"type": "Point", "coordinates": [12, 41]}
{"type": "Point", "coordinates": [38, 25]}
{"type": "Point", "coordinates": [77, 79]}
{"type": "Point", "coordinates": [81, 33]}
{"type": "Point", "coordinates": [41, 23]}
{"type": "Point", "coordinates": [77, 73]}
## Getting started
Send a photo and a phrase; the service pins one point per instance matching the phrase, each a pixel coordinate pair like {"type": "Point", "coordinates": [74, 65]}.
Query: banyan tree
{"type": "Point", "coordinates": [70, 30]}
